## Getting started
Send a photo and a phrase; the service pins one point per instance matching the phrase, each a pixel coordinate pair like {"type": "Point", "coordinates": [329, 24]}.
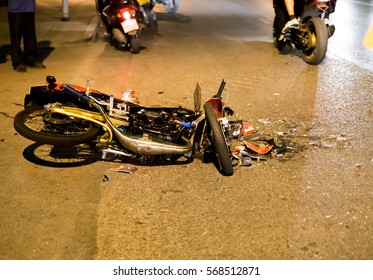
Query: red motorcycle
{"type": "Point", "coordinates": [65, 115]}
{"type": "Point", "coordinates": [124, 20]}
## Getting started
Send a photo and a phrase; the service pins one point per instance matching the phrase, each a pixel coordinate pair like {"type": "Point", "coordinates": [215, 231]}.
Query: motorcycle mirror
{"type": "Point", "coordinates": [197, 99]}
{"type": "Point", "coordinates": [51, 82]}
{"type": "Point", "coordinates": [50, 79]}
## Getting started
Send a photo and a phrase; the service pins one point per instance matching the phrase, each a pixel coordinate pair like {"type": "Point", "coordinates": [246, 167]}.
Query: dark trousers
{"type": "Point", "coordinates": [22, 26]}
{"type": "Point", "coordinates": [281, 14]}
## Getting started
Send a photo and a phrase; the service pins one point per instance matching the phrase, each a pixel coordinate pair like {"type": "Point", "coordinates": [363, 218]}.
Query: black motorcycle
{"type": "Point", "coordinates": [124, 21]}
{"type": "Point", "coordinates": [314, 30]}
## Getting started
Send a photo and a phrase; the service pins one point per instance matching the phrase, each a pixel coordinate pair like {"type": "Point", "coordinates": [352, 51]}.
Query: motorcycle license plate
{"type": "Point", "coordinates": [130, 25]}
{"type": "Point", "coordinates": [143, 2]}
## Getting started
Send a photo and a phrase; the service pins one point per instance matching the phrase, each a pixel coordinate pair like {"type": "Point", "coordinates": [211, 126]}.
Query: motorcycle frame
{"type": "Point", "coordinates": [315, 9]}
{"type": "Point", "coordinates": [112, 118]}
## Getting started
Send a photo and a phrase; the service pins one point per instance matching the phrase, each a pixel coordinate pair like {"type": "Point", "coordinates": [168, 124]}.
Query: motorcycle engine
{"type": "Point", "coordinates": [161, 123]}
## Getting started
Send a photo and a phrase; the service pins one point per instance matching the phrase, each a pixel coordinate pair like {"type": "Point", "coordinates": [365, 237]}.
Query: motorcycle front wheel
{"type": "Point", "coordinates": [219, 143]}
{"type": "Point", "coordinates": [53, 129]}
{"type": "Point", "coordinates": [316, 38]}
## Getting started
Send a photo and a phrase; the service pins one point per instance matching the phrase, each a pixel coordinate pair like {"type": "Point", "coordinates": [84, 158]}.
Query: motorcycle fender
{"type": "Point", "coordinates": [217, 105]}
{"type": "Point", "coordinates": [198, 136]}
{"type": "Point", "coordinates": [42, 95]}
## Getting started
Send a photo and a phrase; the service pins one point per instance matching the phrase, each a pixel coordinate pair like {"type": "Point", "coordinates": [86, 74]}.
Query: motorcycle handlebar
{"type": "Point", "coordinates": [221, 88]}
{"type": "Point", "coordinates": [80, 96]}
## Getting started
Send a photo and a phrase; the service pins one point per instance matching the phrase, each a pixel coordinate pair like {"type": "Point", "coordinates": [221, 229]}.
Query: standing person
{"type": "Point", "coordinates": [21, 18]}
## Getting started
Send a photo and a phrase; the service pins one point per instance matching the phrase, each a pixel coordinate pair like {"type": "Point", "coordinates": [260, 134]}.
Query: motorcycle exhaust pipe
{"type": "Point", "coordinates": [144, 145]}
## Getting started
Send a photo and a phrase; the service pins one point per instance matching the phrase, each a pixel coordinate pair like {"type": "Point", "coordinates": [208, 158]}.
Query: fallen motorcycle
{"type": "Point", "coordinates": [314, 29]}
{"type": "Point", "coordinates": [67, 115]}
{"type": "Point", "coordinates": [124, 21]}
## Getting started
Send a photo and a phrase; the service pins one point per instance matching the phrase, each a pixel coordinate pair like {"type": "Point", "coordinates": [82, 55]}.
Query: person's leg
{"type": "Point", "coordinates": [15, 31]}
{"type": "Point", "coordinates": [293, 21]}
{"type": "Point", "coordinates": [289, 7]}
{"type": "Point", "coordinates": [281, 17]}
{"type": "Point", "coordinates": [29, 39]}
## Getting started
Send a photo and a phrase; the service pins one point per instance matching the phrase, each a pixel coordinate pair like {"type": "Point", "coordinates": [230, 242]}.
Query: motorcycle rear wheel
{"type": "Point", "coordinates": [57, 130]}
{"type": "Point", "coordinates": [317, 37]}
{"type": "Point", "coordinates": [219, 142]}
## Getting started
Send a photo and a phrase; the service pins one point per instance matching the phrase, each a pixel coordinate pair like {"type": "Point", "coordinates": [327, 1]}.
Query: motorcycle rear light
{"type": "Point", "coordinates": [126, 14]}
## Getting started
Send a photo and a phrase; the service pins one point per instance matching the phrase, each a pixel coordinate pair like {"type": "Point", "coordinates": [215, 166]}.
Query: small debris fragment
{"type": "Point", "coordinates": [129, 96]}
{"type": "Point", "coordinates": [124, 169]}
{"type": "Point", "coordinates": [246, 161]}
{"type": "Point", "coordinates": [106, 178]}
{"type": "Point", "coordinates": [263, 121]}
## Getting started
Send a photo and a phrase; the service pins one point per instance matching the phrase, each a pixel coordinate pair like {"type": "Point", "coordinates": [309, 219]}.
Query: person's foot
{"type": "Point", "coordinates": [291, 24]}
{"type": "Point", "coordinates": [20, 68]}
{"type": "Point", "coordinates": [36, 65]}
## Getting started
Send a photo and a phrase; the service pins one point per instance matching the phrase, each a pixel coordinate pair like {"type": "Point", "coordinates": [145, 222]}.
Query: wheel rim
{"type": "Point", "coordinates": [54, 124]}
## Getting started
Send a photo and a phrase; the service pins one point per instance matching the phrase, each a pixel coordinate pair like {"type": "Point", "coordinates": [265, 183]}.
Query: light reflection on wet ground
{"type": "Point", "coordinates": [352, 20]}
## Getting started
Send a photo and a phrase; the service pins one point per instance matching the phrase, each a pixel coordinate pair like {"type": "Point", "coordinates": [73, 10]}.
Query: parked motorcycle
{"type": "Point", "coordinates": [314, 30]}
{"type": "Point", "coordinates": [124, 20]}
{"type": "Point", "coordinates": [171, 6]}
{"type": "Point", "coordinates": [67, 115]}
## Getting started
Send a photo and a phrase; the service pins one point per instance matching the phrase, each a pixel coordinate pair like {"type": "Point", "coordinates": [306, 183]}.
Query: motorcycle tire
{"type": "Point", "coordinates": [317, 36]}
{"type": "Point", "coordinates": [150, 16]}
{"type": "Point", "coordinates": [219, 142]}
{"type": "Point", "coordinates": [134, 44]}
{"type": "Point", "coordinates": [61, 130]}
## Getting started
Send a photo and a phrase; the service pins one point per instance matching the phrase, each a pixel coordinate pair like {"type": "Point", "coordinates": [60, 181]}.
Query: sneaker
{"type": "Point", "coordinates": [20, 68]}
{"type": "Point", "coordinates": [291, 24]}
{"type": "Point", "coordinates": [36, 65]}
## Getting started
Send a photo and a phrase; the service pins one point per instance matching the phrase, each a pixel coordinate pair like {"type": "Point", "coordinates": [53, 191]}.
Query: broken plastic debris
{"type": "Point", "coordinates": [279, 150]}
{"type": "Point", "coordinates": [260, 149]}
{"type": "Point", "coordinates": [247, 129]}
{"type": "Point", "coordinates": [124, 169]}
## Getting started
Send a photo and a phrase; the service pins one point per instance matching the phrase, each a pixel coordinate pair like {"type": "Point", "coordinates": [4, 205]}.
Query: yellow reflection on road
{"type": "Point", "coordinates": [368, 41]}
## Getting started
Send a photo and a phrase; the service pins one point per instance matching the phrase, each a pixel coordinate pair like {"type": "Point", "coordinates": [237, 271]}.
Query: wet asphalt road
{"type": "Point", "coordinates": [314, 202]}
